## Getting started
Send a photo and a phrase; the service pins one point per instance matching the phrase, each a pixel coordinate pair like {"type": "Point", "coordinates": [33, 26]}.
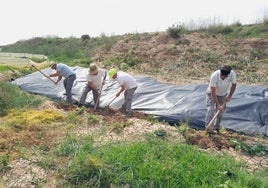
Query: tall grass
{"type": "Point", "coordinates": [215, 26]}
{"type": "Point", "coordinates": [70, 50]}
{"type": "Point", "coordinates": [152, 163]}
{"type": "Point", "coordinates": [12, 97]}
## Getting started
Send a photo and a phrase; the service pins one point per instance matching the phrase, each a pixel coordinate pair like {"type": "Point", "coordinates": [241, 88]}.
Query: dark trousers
{"type": "Point", "coordinates": [84, 95]}
{"type": "Point", "coordinates": [128, 95]}
{"type": "Point", "coordinates": [68, 84]}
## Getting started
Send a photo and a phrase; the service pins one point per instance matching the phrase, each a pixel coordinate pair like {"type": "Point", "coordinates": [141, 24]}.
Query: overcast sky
{"type": "Point", "coordinates": [25, 19]}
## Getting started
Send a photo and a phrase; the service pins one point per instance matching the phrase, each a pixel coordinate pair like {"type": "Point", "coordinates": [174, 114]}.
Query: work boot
{"type": "Point", "coordinates": [217, 130]}
{"type": "Point", "coordinates": [129, 113]}
{"type": "Point", "coordinates": [122, 110]}
{"type": "Point", "coordinates": [75, 102]}
{"type": "Point", "coordinates": [80, 105]}
{"type": "Point", "coordinates": [210, 131]}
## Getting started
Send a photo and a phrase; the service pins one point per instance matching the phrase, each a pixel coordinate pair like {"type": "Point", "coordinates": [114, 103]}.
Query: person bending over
{"type": "Point", "coordinates": [221, 87]}
{"type": "Point", "coordinates": [65, 71]}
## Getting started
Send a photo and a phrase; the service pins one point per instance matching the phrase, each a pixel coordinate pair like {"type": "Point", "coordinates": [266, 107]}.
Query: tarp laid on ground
{"type": "Point", "coordinates": [247, 112]}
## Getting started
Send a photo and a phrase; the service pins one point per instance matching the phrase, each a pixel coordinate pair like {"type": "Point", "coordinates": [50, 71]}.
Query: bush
{"type": "Point", "coordinates": [85, 37]}
{"type": "Point", "coordinates": [220, 29]}
{"type": "Point", "coordinates": [175, 30]}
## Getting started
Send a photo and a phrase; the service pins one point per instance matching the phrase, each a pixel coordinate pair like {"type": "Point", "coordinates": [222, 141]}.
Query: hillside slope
{"type": "Point", "coordinates": [188, 57]}
{"type": "Point", "coordinates": [193, 57]}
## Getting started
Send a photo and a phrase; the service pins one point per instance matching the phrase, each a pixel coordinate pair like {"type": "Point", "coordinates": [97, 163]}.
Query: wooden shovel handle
{"type": "Point", "coordinates": [213, 119]}
{"type": "Point", "coordinates": [44, 74]}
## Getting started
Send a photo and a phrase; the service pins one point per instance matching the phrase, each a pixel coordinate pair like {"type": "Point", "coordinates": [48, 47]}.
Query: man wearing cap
{"type": "Point", "coordinates": [221, 87]}
{"type": "Point", "coordinates": [128, 85]}
{"type": "Point", "coordinates": [95, 80]}
{"type": "Point", "coordinates": [65, 71]}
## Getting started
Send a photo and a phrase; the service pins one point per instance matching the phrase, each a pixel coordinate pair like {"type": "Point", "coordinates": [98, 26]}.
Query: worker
{"type": "Point", "coordinates": [65, 71]}
{"type": "Point", "coordinates": [95, 80]}
{"type": "Point", "coordinates": [128, 85]}
{"type": "Point", "coordinates": [221, 88]}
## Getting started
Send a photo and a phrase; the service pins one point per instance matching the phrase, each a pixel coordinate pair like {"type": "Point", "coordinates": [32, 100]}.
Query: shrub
{"type": "Point", "coordinates": [175, 30]}
{"type": "Point", "coordinates": [220, 29]}
{"type": "Point", "coordinates": [85, 37]}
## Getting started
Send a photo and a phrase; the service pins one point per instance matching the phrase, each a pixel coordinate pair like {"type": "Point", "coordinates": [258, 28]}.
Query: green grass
{"type": "Point", "coordinates": [14, 71]}
{"type": "Point", "coordinates": [4, 68]}
{"type": "Point", "coordinates": [151, 163]}
{"type": "Point", "coordinates": [12, 97]}
{"type": "Point", "coordinates": [251, 149]}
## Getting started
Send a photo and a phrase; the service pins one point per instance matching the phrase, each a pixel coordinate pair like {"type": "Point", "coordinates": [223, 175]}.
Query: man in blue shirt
{"type": "Point", "coordinates": [65, 71]}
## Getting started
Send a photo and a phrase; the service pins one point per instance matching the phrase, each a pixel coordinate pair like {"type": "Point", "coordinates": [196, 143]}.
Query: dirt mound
{"type": "Point", "coordinates": [230, 142]}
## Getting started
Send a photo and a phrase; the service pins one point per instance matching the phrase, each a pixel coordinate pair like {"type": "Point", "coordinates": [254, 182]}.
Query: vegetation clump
{"type": "Point", "coordinates": [12, 97]}
{"type": "Point", "coordinates": [153, 163]}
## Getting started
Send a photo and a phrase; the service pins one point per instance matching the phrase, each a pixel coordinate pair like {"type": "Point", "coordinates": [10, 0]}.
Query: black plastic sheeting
{"type": "Point", "coordinates": [246, 113]}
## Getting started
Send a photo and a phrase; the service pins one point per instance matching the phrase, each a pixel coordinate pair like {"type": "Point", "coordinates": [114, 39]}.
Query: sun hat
{"type": "Point", "coordinates": [111, 73]}
{"type": "Point", "coordinates": [93, 69]}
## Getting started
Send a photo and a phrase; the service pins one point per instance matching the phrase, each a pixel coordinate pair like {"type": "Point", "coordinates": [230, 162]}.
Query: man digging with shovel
{"type": "Point", "coordinates": [221, 87]}
{"type": "Point", "coordinates": [128, 85]}
{"type": "Point", "coordinates": [95, 81]}
{"type": "Point", "coordinates": [69, 75]}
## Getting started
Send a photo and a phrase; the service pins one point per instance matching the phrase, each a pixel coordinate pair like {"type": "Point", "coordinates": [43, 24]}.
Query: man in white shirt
{"type": "Point", "coordinates": [65, 71]}
{"type": "Point", "coordinates": [95, 80]}
{"type": "Point", "coordinates": [128, 85]}
{"type": "Point", "coordinates": [221, 87]}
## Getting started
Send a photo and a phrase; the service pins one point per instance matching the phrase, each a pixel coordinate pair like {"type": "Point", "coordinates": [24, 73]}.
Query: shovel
{"type": "Point", "coordinates": [43, 74]}
{"type": "Point", "coordinates": [213, 119]}
{"type": "Point", "coordinates": [111, 102]}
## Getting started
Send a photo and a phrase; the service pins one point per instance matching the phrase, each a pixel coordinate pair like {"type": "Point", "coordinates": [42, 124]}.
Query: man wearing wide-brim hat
{"type": "Point", "coordinates": [95, 80]}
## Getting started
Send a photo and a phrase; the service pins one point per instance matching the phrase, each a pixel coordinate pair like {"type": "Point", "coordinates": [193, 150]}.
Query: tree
{"type": "Point", "coordinates": [85, 37]}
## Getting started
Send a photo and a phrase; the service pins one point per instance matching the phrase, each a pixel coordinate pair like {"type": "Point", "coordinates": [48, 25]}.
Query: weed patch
{"type": "Point", "coordinates": [19, 118]}
{"type": "Point", "coordinates": [27, 129]}
{"type": "Point", "coordinates": [153, 163]}
{"type": "Point", "coordinates": [12, 97]}
{"type": "Point", "coordinates": [251, 149]}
